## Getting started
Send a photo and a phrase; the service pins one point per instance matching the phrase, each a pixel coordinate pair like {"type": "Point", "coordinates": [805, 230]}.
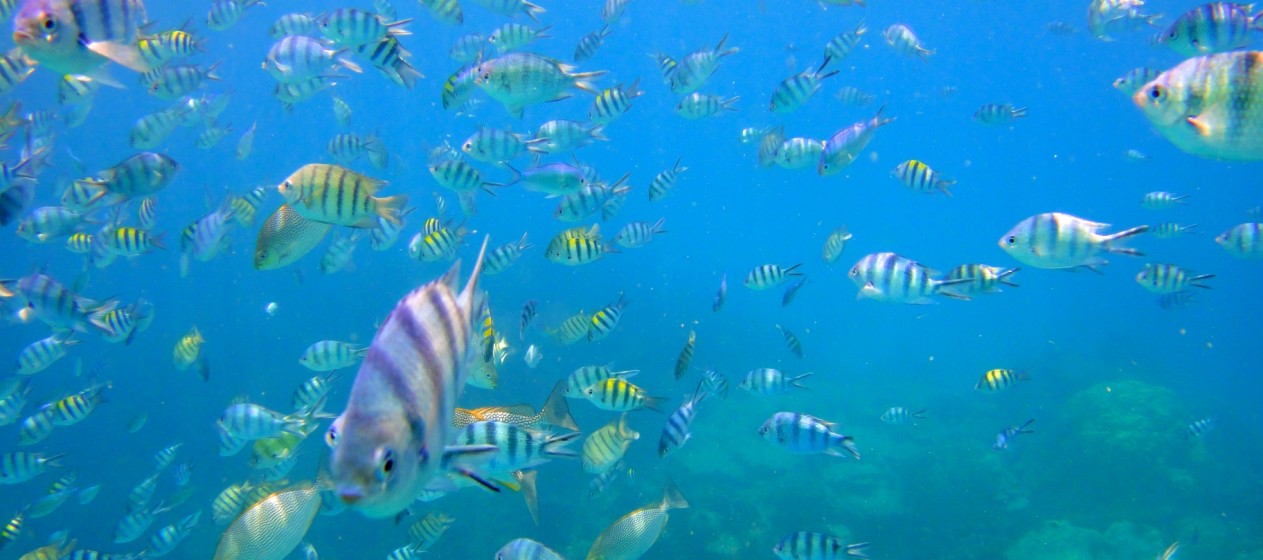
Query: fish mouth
{"type": "Point", "coordinates": [350, 496]}
{"type": "Point", "coordinates": [20, 37]}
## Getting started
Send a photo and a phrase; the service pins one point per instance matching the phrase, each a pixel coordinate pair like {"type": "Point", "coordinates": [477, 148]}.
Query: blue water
{"type": "Point", "coordinates": [1108, 474]}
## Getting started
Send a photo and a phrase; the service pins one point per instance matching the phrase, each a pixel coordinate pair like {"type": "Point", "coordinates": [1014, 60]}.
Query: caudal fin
{"type": "Point", "coordinates": [557, 410]}
{"type": "Point", "coordinates": [1111, 239]}
{"type": "Point", "coordinates": [672, 498]}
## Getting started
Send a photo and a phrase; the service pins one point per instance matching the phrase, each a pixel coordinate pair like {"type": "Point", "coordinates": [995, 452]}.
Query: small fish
{"type": "Point", "coordinates": [769, 381]}
{"type": "Point", "coordinates": [41, 354]}
{"type": "Point", "coordinates": [613, 103]}
{"type": "Point", "coordinates": [573, 329]}
{"type": "Point", "coordinates": [1131, 82]}
{"type": "Point", "coordinates": [339, 252]}
{"type": "Point", "coordinates": [18, 466]}
{"type": "Point", "coordinates": [517, 80]}
{"type": "Point", "coordinates": [898, 415]}
{"type": "Point", "coordinates": [605, 320]}
{"type": "Point", "coordinates": [677, 430]}
{"type": "Point", "coordinates": [638, 234]}
{"type": "Point", "coordinates": [587, 376]}
{"type": "Point", "coordinates": [1168, 230]}
{"type": "Point", "coordinates": [1056, 240]}
{"type": "Point", "coordinates": [715, 383]}
{"type": "Point", "coordinates": [841, 149]}
{"type": "Point", "coordinates": [791, 341]}
{"type": "Point", "coordinates": [188, 350]}
{"type": "Point", "coordinates": [494, 145]}
{"type": "Point", "coordinates": [515, 448]}
{"type": "Point", "coordinates": [720, 295]}
{"type": "Point", "coordinates": [250, 422]}
{"type": "Point", "coordinates": [589, 44]}
{"type": "Point", "coordinates": [841, 45]}
{"type": "Point", "coordinates": [918, 176]}
{"type": "Point", "coordinates": [330, 355]}
{"type": "Point", "coordinates": [533, 356]}
{"type": "Point", "coordinates": [554, 179]}
{"type": "Point", "coordinates": [577, 246]}
{"type": "Point", "coordinates": [1210, 28]}
{"type": "Point", "coordinates": [699, 105]}
{"type": "Point", "coordinates": [635, 533]}
{"type": "Point", "coordinates": [226, 13]}
{"type": "Point", "coordinates": [426, 532]}
{"type": "Point", "coordinates": [1005, 437]}
{"type": "Point", "coordinates": [809, 545]}
{"type": "Point", "coordinates": [529, 311]}
{"type": "Point", "coordinates": [835, 244]}
{"type": "Point", "coordinates": [1200, 428]}
{"type": "Point", "coordinates": [768, 276]}
{"type": "Point", "coordinates": [526, 549]}
{"type": "Point", "coordinates": [350, 27]}
{"type": "Point", "coordinates": [513, 36]}
{"type": "Point", "coordinates": [1162, 200]}
{"type": "Point", "coordinates": [792, 291]}
{"type": "Point", "coordinates": [1000, 379]}
{"type": "Point", "coordinates": [561, 135]}
{"type": "Point", "coordinates": [901, 38]}
{"type": "Point", "coordinates": [619, 395]}
{"type": "Point", "coordinates": [855, 97]}
{"type": "Point", "coordinates": [793, 92]}
{"type": "Point", "coordinates": [292, 24]}
{"type": "Point", "coordinates": [695, 69]}
{"type": "Point", "coordinates": [604, 448]}
{"type": "Point", "coordinates": [804, 434]}
{"type": "Point", "coordinates": [285, 237]}
{"type": "Point", "coordinates": [685, 357]}
{"type": "Point", "coordinates": [312, 390]}
{"type": "Point", "coordinates": [502, 257]}
{"type": "Point", "coordinates": [993, 114]}
{"type": "Point", "coordinates": [1169, 278]}
{"type": "Point", "coordinates": [1243, 241]}
{"type": "Point", "coordinates": [246, 144]}
{"type": "Point", "coordinates": [978, 279]}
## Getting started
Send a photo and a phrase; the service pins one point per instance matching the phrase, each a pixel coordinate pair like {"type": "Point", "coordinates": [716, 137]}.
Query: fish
{"type": "Point", "coordinates": [1107, 16]}
{"type": "Point", "coordinates": [578, 246]}
{"type": "Point", "coordinates": [168, 538]}
{"type": "Point", "coordinates": [554, 179]}
{"type": "Point", "coordinates": [999, 379]}
{"type": "Point", "coordinates": [459, 176]}
{"type": "Point", "coordinates": [330, 355]}
{"type": "Point", "coordinates": [768, 276]}
{"type": "Point", "coordinates": [980, 279]}
{"type": "Point", "coordinates": [555, 412]}
{"type": "Point", "coordinates": [1005, 437]}
{"type": "Point", "coordinates": [769, 381]}
{"type": "Point", "coordinates": [793, 92]}
{"type": "Point", "coordinates": [285, 237]}
{"type": "Point", "coordinates": [804, 434]}
{"type": "Point", "coordinates": [853, 96]}
{"type": "Point", "coordinates": [1243, 241]}
{"type": "Point", "coordinates": [846, 144]}
{"type": "Point", "coordinates": [502, 257]}
{"type": "Point", "coordinates": [604, 448]}
{"type": "Point", "coordinates": [1196, 106]}
{"type": "Point", "coordinates": [918, 176]}
{"type": "Point", "coordinates": [695, 69]}
{"type": "Point", "coordinates": [715, 383]}
{"type": "Point", "coordinates": [605, 320]}
{"type": "Point", "coordinates": [350, 27]}
{"type": "Point", "coordinates": [298, 58]}
{"type": "Point", "coordinates": [612, 103]}
{"type": "Point", "coordinates": [41, 354]}
{"type": "Point", "coordinates": [518, 80]}
{"type": "Point", "coordinates": [1169, 278]}
{"type": "Point", "coordinates": [336, 195]}
{"type": "Point", "coordinates": [1168, 230]}
{"type": "Point", "coordinates": [187, 352]}
{"type": "Point", "coordinates": [533, 356]}
{"type": "Point", "coordinates": [685, 358]}
{"type": "Point", "coordinates": [1200, 428]}
{"type": "Point", "coordinates": [835, 244]}
{"type": "Point", "coordinates": [572, 330]}
{"type": "Point", "coordinates": [993, 114]}
{"type": "Point", "coordinates": [677, 430]}
{"type": "Point", "coordinates": [307, 394]}
{"type": "Point", "coordinates": [889, 277]}
{"type": "Point", "coordinates": [380, 460]}
{"type": "Point", "coordinates": [426, 532]}
{"type": "Point", "coordinates": [664, 182]}
{"type": "Point", "coordinates": [560, 135]}
{"type": "Point", "coordinates": [526, 549]}
{"type": "Point", "coordinates": [19, 466]}
{"type": "Point", "coordinates": [589, 44]}
{"type": "Point", "coordinates": [57, 306]}
{"type": "Point", "coordinates": [390, 58]}
{"type": "Point", "coordinates": [79, 37]}
{"type": "Point", "coordinates": [791, 341]}
{"type": "Point", "coordinates": [617, 394]}
{"type": "Point", "coordinates": [901, 38]}
{"type": "Point", "coordinates": [586, 376]}
{"type": "Point", "coordinates": [810, 545]}
{"type": "Point", "coordinates": [529, 311]}
{"type": "Point", "coordinates": [1161, 200]}
{"type": "Point", "coordinates": [1211, 28]}
{"type": "Point", "coordinates": [792, 291]}
{"type": "Point", "coordinates": [632, 535]}
{"type": "Point", "coordinates": [513, 36]}
{"type": "Point", "coordinates": [272, 527]}
{"type": "Point", "coordinates": [224, 14]}
{"type": "Point", "coordinates": [721, 294]}
{"type": "Point", "coordinates": [512, 8]}
{"type": "Point", "coordinates": [494, 145]}
{"type": "Point", "coordinates": [1172, 551]}
{"type": "Point", "coordinates": [250, 422]}
{"type": "Point", "coordinates": [445, 11]}
{"type": "Point", "coordinates": [515, 448]}
{"type": "Point", "coordinates": [898, 415]}
{"type": "Point", "coordinates": [292, 24]}
{"type": "Point", "coordinates": [1131, 82]}
{"type": "Point", "coordinates": [699, 105]}
{"type": "Point", "coordinates": [1057, 240]}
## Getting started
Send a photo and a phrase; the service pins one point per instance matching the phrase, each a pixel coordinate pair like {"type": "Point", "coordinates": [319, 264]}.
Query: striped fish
{"type": "Point", "coordinates": [494, 145]}
{"type": "Point", "coordinates": [336, 195]}
{"type": "Point", "coordinates": [467, 48]}
{"type": "Point", "coordinates": [638, 234]}
{"type": "Point", "coordinates": [898, 415]}
{"type": "Point", "coordinates": [1169, 278]}
{"type": "Point", "coordinates": [587, 376]}
{"type": "Point", "coordinates": [517, 80]}
{"type": "Point", "coordinates": [172, 82]}
{"type": "Point", "coordinates": [526, 549]}
{"type": "Point", "coordinates": [635, 533]}
{"type": "Point", "coordinates": [721, 294]}
{"type": "Point", "coordinates": [891, 278]}
{"type": "Point", "coordinates": [427, 531]}
{"type": "Point", "coordinates": [1211, 28]}
{"type": "Point", "coordinates": [715, 383]}
{"type": "Point", "coordinates": [158, 50]}
{"type": "Point", "coordinates": [1005, 437]}
{"type": "Point", "coordinates": [392, 60]}
{"type": "Point", "coordinates": [294, 93]}
{"type": "Point", "coordinates": [37, 427]}
{"type": "Point", "coordinates": [1169, 230]}
{"type": "Point", "coordinates": [766, 276]}
{"type": "Point", "coordinates": [1200, 428]}
{"type": "Point", "coordinates": [459, 176]}
{"type": "Point", "coordinates": [512, 8]}
{"type": "Point", "coordinates": [792, 291]}
{"type": "Point", "coordinates": [229, 503]}
{"type": "Point", "coordinates": [993, 114]}
{"type": "Point", "coordinates": [572, 330]}
{"type": "Point", "coordinates": [692, 71]}
{"type": "Point", "coordinates": [350, 27]}
{"type": "Point", "coordinates": [339, 252]}
{"type": "Point", "coordinates": [1244, 241]}
{"type": "Point", "coordinates": [1000, 379]}
{"type": "Point", "coordinates": [1056, 240]}
{"type": "Point", "coordinates": [769, 381]}
{"type": "Point", "coordinates": [699, 106]}
{"type": "Point", "coordinates": [803, 434]}
{"type": "Point", "coordinates": [590, 199]}
{"type": "Point", "coordinates": [151, 130]}
{"type": "Point", "coordinates": [528, 315]}
{"type": "Point", "coordinates": [11, 405]}
{"type": "Point", "coordinates": [167, 539]}
{"type": "Point", "coordinates": [841, 45]}
{"type": "Point", "coordinates": [420, 356]}
{"type": "Point", "coordinates": [613, 10]}
{"type": "Point", "coordinates": [835, 244]}
{"type": "Point", "coordinates": [604, 322]}
{"type": "Point", "coordinates": [383, 237]}
{"type": "Point", "coordinates": [224, 14]}
{"type": "Point", "coordinates": [19, 466]}
{"type": "Point", "coordinates": [664, 182]}
{"type": "Point", "coordinates": [591, 43]}
{"type": "Point", "coordinates": [14, 69]}
{"type": "Point", "coordinates": [1161, 200]}
{"type": "Point", "coordinates": [604, 448]}
{"type": "Point", "coordinates": [619, 395]}
{"type": "Point", "coordinates": [685, 358]}
{"type": "Point", "coordinates": [560, 135]}
{"type": "Point", "coordinates": [513, 36]}
{"type": "Point", "coordinates": [901, 38]}
{"type": "Point", "coordinates": [445, 11]}
{"type": "Point", "coordinates": [982, 279]}
{"type": "Point", "coordinates": [796, 90]}
{"type": "Point", "coordinates": [1134, 79]}
{"type": "Point", "coordinates": [502, 257]}
{"type": "Point", "coordinates": [613, 103]}
{"type": "Point", "coordinates": [515, 448]}
{"type": "Point", "coordinates": [846, 144]}
{"type": "Point", "coordinates": [272, 527]}
{"type": "Point", "coordinates": [918, 176]}
{"type": "Point", "coordinates": [49, 301]}
{"type": "Point", "coordinates": [809, 545]}
{"type": "Point", "coordinates": [133, 525]}
{"type": "Point", "coordinates": [188, 349]}
{"type": "Point", "coordinates": [165, 456]}
{"type": "Point", "coordinates": [791, 341]}
{"type": "Point", "coordinates": [677, 431]}
{"type": "Point", "coordinates": [292, 24]}
{"type": "Point", "coordinates": [297, 58]}
{"type": "Point", "coordinates": [78, 37]}
{"type": "Point", "coordinates": [439, 244]}
{"type": "Point", "coordinates": [331, 355]}
{"type": "Point", "coordinates": [207, 238]}
{"type": "Point", "coordinates": [75, 408]}
{"type": "Point", "coordinates": [12, 529]}
{"type": "Point", "coordinates": [853, 96]}
{"type": "Point", "coordinates": [38, 355]}
{"type": "Point", "coordinates": [458, 87]}
{"type": "Point", "coordinates": [577, 246]}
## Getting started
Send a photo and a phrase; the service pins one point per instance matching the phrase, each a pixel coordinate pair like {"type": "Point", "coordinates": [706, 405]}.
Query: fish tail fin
{"type": "Point", "coordinates": [408, 74]}
{"type": "Point", "coordinates": [1123, 235]}
{"type": "Point", "coordinates": [1019, 112]}
{"type": "Point", "coordinates": [797, 381]}
{"type": "Point", "coordinates": [54, 461]}
{"type": "Point", "coordinates": [557, 410]}
{"type": "Point", "coordinates": [1195, 279]}
{"type": "Point", "coordinates": [654, 403]}
{"type": "Point", "coordinates": [533, 11]}
{"type": "Point", "coordinates": [1003, 276]}
{"type": "Point", "coordinates": [845, 443]}
{"type": "Point", "coordinates": [657, 226]}
{"type": "Point", "coordinates": [346, 62]}
{"type": "Point", "coordinates": [389, 207]}
{"type": "Point", "coordinates": [556, 446]}
{"type": "Point", "coordinates": [857, 550]}
{"type": "Point", "coordinates": [919, 413]}
{"type": "Point", "coordinates": [671, 496]}
{"type": "Point", "coordinates": [584, 81]}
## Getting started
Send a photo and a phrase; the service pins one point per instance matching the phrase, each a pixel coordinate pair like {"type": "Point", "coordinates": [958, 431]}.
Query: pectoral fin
{"type": "Point", "coordinates": [1200, 125]}
{"type": "Point", "coordinates": [127, 55]}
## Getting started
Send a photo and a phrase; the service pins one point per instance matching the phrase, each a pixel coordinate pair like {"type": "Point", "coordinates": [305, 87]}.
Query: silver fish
{"type": "Point", "coordinates": [271, 528]}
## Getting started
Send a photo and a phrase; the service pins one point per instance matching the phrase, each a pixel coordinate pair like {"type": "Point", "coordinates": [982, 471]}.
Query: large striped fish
{"type": "Point", "coordinates": [391, 439]}
{"type": "Point", "coordinates": [1209, 105]}
{"type": "Point", "coordinates": [892, 278]}
{"type": "Point", "coordinates": [79, 36]}
{"type": "Point", "coordinates": [1056, 240]}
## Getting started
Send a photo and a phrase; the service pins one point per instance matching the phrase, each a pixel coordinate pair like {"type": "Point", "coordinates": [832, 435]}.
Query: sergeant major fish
{"type": "Point", "coordinates": [1208, 105]}
{"type": "Point", "coordinates": [389, 441]}
{"type": "Point", "coordinates": [1056, 240]}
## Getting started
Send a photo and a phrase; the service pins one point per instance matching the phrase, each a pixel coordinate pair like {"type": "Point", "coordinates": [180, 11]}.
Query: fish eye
{"type": "Point", "coordinates": [331, 437]}
{"type": "Point", "coordinates": [49, 23]}
{"type": "Point", "coordinates": [1156, 92]}
{"type": "Point", "coordinates": [1011, 240]}
{"type": "Point", "coordinates": [388, 463]}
